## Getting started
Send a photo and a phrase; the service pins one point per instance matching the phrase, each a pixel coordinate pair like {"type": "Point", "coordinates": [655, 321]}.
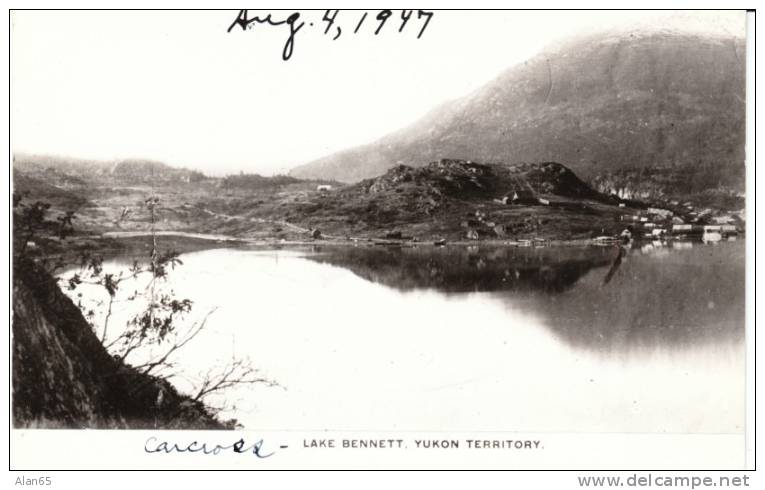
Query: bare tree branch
{"type": "Point", "coordinates": [238, 372]}
{"type": "Point", "coordinates": [162, 360]}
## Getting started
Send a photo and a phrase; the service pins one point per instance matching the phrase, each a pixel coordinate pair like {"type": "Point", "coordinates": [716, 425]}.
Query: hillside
{"type": "Point", "coordinates": [459, 199]}
{"type": "Point", "coordinates": [61, 196]}
{"type": "Point", "coordinates": [466, 179]}
{"type": "Point", "coordinates": [64, 378]}
{"type": "Point", "coordinates": [445, 199]}
{"type": "Point", "coordinates": [78, 173]}
{"type": "Point", "coordinates": [598, 104]}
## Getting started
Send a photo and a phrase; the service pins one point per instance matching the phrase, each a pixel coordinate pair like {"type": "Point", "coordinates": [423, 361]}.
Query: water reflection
{"type": "Point", "coordinates": [661, 297]}
{"type": "Point", "coordinates": [646, 339]}
{"type": "Point", "coordinates": [469, 269]}
{"type": "Point", "coordinates": [604, 298]}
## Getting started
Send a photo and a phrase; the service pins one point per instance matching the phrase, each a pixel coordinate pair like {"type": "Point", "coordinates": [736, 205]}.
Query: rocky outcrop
{"type": "Point", "coordinates": [467, 180]}
{"type": "Point", "coordinates": [63, 377]}
{"type": "Point", "coordinates": [447, 198]}
{"type": "Point", "coordinates": [699, 184]}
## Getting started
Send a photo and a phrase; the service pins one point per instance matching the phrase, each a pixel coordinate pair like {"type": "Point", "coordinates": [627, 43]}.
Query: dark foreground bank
{"type": "Point", "coordinates": [63, 376]}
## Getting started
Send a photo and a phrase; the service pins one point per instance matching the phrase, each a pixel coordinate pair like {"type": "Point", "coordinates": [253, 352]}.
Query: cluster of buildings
{"type": "Point", "coordinates": [708, 224]}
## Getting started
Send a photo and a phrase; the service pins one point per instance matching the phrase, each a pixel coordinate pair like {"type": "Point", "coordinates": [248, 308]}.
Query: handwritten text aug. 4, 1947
{"type": "Point", "coordinates": [334, 21]}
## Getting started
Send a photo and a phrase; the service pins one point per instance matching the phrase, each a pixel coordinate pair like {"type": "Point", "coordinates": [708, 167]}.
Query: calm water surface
{"type": "Point", "coordinates": [649, 339]}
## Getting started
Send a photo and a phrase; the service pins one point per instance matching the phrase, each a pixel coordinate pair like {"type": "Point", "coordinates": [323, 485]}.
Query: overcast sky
{"type": "Point", "coordinates": [177, 87]}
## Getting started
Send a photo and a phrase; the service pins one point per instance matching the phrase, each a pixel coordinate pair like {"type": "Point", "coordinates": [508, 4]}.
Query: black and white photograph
{"type": "Point", "coordinates": [380, 238]}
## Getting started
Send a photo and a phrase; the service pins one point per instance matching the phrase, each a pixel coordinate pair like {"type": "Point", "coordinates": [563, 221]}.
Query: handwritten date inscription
{"type": "Point", "coordinates": [333, 23]}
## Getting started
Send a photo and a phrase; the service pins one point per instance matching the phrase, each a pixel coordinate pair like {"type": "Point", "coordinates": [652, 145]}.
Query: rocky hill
{"type": "Point", "coordinates": [439, 184]}
{"type": "Point", "coordinates": [464, 179]}
{"type": "Point", "coordinates": [461, 199]}
{"type": "Point", "coordinates": [598, 104]}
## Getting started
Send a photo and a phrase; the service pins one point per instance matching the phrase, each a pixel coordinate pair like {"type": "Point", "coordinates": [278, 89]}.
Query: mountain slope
{"type": "Point", "coordinates": [597, 104]}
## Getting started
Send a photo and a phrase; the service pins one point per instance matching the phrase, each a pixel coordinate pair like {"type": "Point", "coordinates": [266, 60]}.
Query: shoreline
{"type": "Point", "coordinates": [355, 241]}
{"type": "Point", "coordinates": [331, 240]}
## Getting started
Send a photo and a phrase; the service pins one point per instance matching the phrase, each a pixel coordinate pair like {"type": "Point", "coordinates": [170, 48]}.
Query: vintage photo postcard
{"type": "Point", "coordinates": [381, 239]}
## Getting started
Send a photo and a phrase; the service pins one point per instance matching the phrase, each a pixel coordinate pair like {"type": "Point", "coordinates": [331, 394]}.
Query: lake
{"type": "Point", "coordinates": [590, 339]}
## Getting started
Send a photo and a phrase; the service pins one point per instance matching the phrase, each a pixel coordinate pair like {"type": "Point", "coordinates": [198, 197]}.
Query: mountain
{"type": "Point", "coordinates": [598, 104]}
{"type": "Point", "coordinates": [70, 170]}
{"type": "Point", "coordinates": [74, 173]}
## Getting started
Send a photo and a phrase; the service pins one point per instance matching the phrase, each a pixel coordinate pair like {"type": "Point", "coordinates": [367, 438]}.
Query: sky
{"type": "Point", "coordinates": [178, 88]}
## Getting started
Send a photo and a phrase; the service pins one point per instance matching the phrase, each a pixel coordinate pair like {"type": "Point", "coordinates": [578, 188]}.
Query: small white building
{"type": "Point", "coordinates": [711, 237]}
{"type": "Point", "coordinates": [323, 187]}
{"type": "Point", "coordinates": [665, 213]}
{"type": "Point", "coordinates": [723, 220]}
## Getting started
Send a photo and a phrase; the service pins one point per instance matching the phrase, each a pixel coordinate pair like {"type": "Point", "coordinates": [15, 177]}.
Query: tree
{"type": "Point", "coordinates": [151, 338]}
{"type": "Point", "coordinates": [34, 232]}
